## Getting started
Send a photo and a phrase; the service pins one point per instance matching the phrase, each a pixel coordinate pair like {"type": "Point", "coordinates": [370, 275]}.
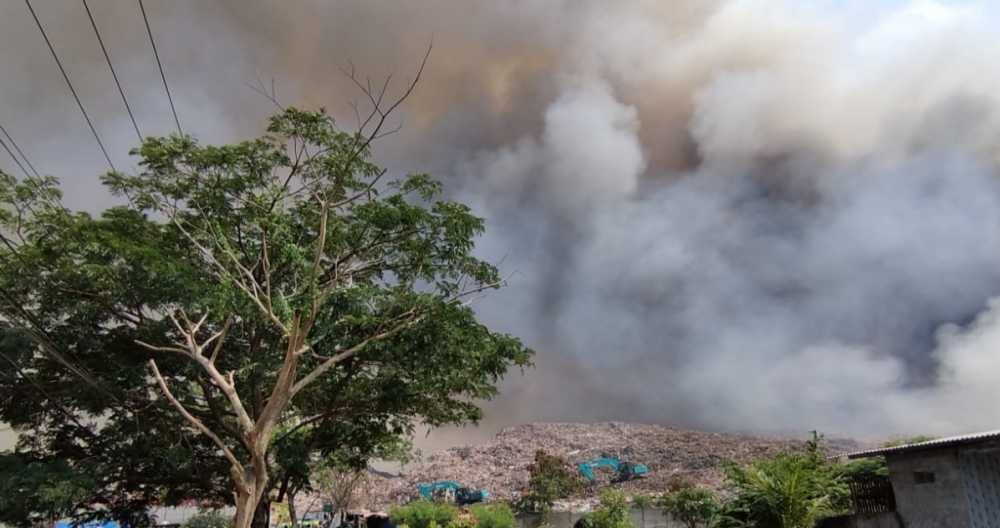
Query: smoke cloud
{"type": "Point", "coordinates": [743, 214]}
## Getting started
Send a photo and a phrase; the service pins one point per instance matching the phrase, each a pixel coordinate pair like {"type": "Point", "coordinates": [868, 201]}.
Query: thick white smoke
{"type": "Point", "coordinates": [841, 214]}
{"type": "Point", "coordinates": [737, 214]}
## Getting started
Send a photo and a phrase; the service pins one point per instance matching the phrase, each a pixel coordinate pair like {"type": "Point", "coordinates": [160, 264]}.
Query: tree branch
{"type": "Point", "coordinates": [237, 468]}
{"type": "Point", "coordinates": [343, 355]}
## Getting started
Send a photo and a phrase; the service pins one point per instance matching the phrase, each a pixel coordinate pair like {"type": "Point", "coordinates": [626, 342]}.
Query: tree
{"type": "Point", "coordinates": [38, 491]}
{"type": "Point", "coordinates": [342, 485]}
{"type": "Point", "coordinates": [613, 511]}
{"type": "Point", "coordinates": [276, 290]}
{"type": "Point", "coordinates": [691, 505]}
{"type": "Point", "coordinates": [208, 519]}
{"type": "Point", "coordinates": [551, 478]}
{"type": "Point", "coordinates": [786, 491]}
{"type": "Point", "coordinates": [642, 502]}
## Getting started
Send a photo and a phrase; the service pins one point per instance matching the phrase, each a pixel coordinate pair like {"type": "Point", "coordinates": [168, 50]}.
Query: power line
{"type": "Point", "coordinates": [112, 68]}
{"type": "Point", "coordinates": [19, 151]}
{"type": "Point", "coordinates": [5, 147]}
{"type": "Point", "coordinates": [68, 83]}
{"type": "Point", "coordinates": [160, 66]}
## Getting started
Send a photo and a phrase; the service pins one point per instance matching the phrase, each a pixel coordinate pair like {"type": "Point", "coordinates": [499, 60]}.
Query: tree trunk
{"type": "Point", "coordinates": [253, 509]}
{"type": "Point", "coordinates": [292, 516]}
{"type": "Point", "coordinates": [261, 517]}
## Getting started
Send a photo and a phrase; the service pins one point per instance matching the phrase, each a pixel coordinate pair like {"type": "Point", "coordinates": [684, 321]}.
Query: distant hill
{"type": "Point", "coordinates": [501, 465]}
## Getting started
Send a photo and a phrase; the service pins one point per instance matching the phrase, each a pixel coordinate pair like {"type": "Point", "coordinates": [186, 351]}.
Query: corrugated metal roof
{"type": "Point", "coordinates": [930, 444]}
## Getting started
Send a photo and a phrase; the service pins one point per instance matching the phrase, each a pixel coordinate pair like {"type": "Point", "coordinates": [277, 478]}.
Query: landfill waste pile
{"type": "Point", "coordinates": [672, 455]}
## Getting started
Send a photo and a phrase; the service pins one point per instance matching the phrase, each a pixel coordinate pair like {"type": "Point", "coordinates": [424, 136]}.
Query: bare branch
{"type": "Point", "coordinates": [219, 338]}
{"type": "Point", "coordinates": [236, 469]}
{"type": "Point", "coordinates": [176, 350]}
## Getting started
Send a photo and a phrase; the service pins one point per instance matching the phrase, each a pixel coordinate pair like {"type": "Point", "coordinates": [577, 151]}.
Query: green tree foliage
{"type": "Point", "coordinates": [864, 467]}
{"type": "Point", "coordinates": [462, 521]}
{"type": "Point", "coordinates": [36, 491]}
{"type": "Point", "coordinates": [643, 502]}
{"type": "Point", "coordinates": [551, 478]}
{"type": "Point", "coordinates": [790, 490]}
{"type": "Point", "coordinates": [614, 511]}
{"type": "Point", "coordinates": [209, 519]}
{"type": "Point", "coordinates": [423, 514]}
{"type": "Point", "coordinates": [493, 516]}
{"type": "Point", "coordinates": [691, 505]}
{"type": "Point", "coordinates": [289, 301]}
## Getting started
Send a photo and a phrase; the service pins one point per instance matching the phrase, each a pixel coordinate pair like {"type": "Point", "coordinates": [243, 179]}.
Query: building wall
{"type": "Point", "coordinates": [654, 518]}
{"type": "Point", "coordinates": [938, 504]}
{"type": "Point", "coordinates": [981, 476]}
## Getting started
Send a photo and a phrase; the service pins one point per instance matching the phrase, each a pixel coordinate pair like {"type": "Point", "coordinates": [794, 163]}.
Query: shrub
{"type": "Point", "coordinates": [493, 516]}
{"type": "Point", "coordinates": [691, 506]}
{"type": "Point", "coordinates": [462, 521]}
{"type": "Point", "coordinates": [787, 491]}
{"type": "Point", "coordinates": [552, 478]}
{"type": "Point", "coordinates": [422, 514]}
{"type": "Point", "coordinates": [209, 519]}
{"type": "Point", "coordinates": [613, 512]}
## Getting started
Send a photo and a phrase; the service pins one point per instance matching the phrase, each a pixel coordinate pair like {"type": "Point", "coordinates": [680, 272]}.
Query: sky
{"type": "Point", "coordinates": [755, 215]}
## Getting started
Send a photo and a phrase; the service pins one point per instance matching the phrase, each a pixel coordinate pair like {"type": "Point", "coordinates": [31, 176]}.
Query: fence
{"type": "Point", "coordinates": [872, 494]}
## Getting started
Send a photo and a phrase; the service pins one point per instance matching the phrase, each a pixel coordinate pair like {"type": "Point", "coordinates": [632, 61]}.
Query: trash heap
{"type": "Point", "coordinates": [501, 466]}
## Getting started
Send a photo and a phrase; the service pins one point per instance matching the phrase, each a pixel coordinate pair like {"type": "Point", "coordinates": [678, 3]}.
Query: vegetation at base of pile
{"type": "Point", "coordinates": [551, 478]}
{"type": "Point", "coordinates": [691, 505]}
{"type": "Point", "coordinates": [429, 514]}
{"type": "Point", "coordinates": [614, 511]}
{"type": "Point", "coordinates": [423, 513]}
{"type": "Point", "coordinates": [790, 490]}
{"type": "Point", "coordinates": [492, 516]}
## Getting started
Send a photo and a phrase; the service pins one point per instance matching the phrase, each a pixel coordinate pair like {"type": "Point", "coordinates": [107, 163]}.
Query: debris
{"type": "Point", "coordinates": [502, 464]}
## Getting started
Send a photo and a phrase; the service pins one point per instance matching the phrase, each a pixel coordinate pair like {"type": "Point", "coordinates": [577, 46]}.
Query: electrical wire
{"type": "Point", "coordinates": [70, 84]}
{"type": "Point", "coordinates": [19, 151]}
{"type": "Point", "coordinates": [159, 65]}
{"type": "Point", "coordinates": [107, 58]}
{"type": "Point", "coordinates": [5, 147]}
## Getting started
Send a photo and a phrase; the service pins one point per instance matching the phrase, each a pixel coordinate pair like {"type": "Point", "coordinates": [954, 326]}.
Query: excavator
{"type": "Point", "coordinates": [623, 470]}
{"type": "Point", "coordinates": [452, 491]}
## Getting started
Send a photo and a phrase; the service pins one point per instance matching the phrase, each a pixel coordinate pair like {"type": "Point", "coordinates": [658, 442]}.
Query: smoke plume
{"type": "Point", "coordinates": [739, 214]}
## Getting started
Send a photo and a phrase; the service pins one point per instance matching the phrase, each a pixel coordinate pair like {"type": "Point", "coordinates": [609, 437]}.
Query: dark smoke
{"type": "Point", "coordinates": [758, 215]}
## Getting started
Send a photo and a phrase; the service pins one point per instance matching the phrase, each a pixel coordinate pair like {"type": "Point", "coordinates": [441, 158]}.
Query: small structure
{"type": "Point", "coordinates": [945, 483]}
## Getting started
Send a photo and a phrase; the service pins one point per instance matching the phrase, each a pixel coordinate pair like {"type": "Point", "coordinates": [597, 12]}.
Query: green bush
{"type": "Point", "coordinates": [209, 519]}
{"type": "Point", "coordinates": [691, 505]}
{"type": "Point", "coordinates": [462, 522]}
{"type": "Point", "coordinates": [493, 516]}
{"type": "Point", "coordinates": [787, 491]}
{"type": "Point", "coordinates": [422, 513]}
{"type": "Point", "coordinates": [552, 478]}
{"type": "Point", "coordinates": [613, 512]}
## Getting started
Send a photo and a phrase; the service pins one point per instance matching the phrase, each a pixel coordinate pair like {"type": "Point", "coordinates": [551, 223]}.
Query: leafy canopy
{"type": "Point", "coordinates": [551, 478]}
{"type": "Point", "coordinates": [613, 511]}
{"type": "Point", "coordinates": [297, 230]}
{"type": "Point", "coordinates": [691, 505]}
{"type": "Point", "coordinates": [790, 490]}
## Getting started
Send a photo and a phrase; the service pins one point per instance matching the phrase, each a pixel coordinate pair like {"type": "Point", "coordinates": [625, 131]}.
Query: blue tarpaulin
{"type": "Point", "coordinates": [94, 524]}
